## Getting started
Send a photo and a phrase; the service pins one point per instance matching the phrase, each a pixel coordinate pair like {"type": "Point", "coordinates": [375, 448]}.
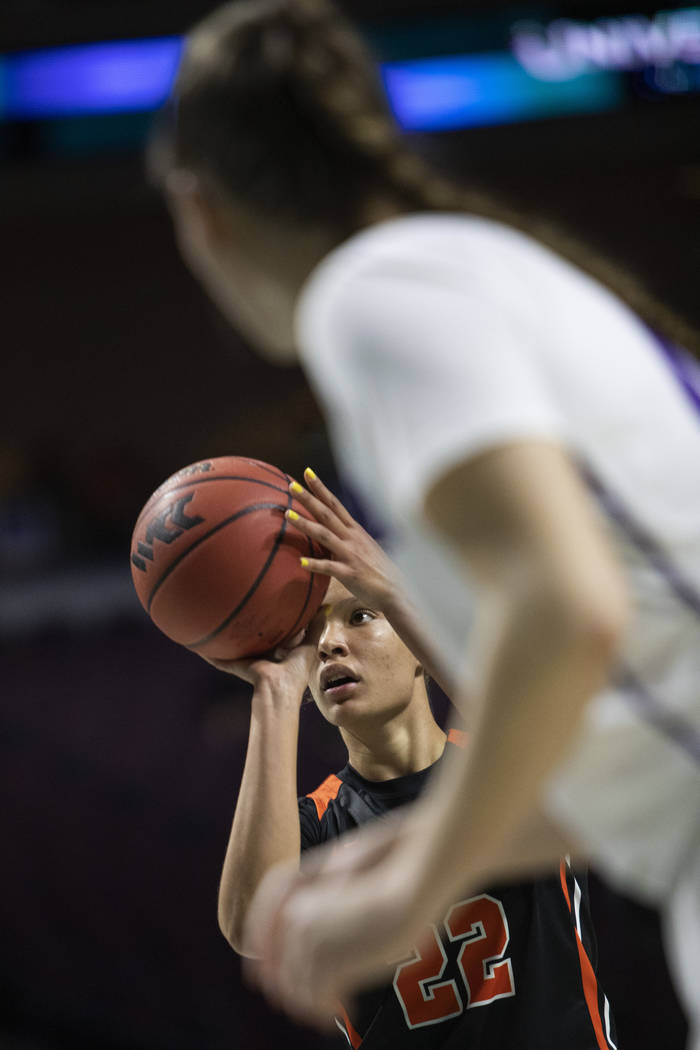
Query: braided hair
{"type": "Point", "coordinates": [279, 105]}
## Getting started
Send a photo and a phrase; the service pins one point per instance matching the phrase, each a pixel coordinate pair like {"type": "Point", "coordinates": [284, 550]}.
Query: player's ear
{"type": "Point", "coordinates": [182, 192]}
{"type": "Point", "coordinates": [198, 221]}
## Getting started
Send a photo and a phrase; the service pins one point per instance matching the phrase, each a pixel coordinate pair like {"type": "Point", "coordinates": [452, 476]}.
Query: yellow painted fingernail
{"type": "Point", "coordinates": [292, 515]}
{"type": "Point", "coordinates": [308, 473]}
{"type": "Point", "coordinates": [304, 563]}
{"type": "Point", "coordinates": [296, 488]}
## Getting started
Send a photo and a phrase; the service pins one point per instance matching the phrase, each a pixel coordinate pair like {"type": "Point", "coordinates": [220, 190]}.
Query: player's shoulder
{"type": "Point", "coordinates": [326, 792]}
{"type": "Point", "coordinates": [411, 245]}
{"type": "Point", "coordinates": [331, 809]}
{"type": "Point", "coordinates": [440, 228]}
{"type": "Point", "coordinates": [410, 255]}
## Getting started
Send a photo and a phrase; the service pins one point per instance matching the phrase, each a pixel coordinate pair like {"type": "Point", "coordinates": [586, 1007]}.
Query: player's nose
{"type": "Point", "coordinates": [332, 641]}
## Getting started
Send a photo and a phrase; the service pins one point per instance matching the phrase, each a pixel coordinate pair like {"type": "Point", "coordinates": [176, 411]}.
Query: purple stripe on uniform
{"type": "Point", "coordinates": [679, 730]}
{"type": "Point", "coordinates": [684, 367]}
{"type": "Point", "coordinates": [683, 589]}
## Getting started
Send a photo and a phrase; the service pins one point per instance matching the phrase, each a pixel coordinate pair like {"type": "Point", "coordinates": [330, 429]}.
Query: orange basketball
{"type": "Point", "coordinates": [215, 563]}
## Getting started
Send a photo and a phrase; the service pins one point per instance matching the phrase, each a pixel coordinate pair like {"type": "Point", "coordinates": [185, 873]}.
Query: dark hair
{"type": "Point", "coordinates": [279, 105]}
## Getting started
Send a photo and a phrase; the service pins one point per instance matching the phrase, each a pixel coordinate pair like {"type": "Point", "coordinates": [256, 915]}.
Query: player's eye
{"type": "Point", "coordinates": [360, 616]}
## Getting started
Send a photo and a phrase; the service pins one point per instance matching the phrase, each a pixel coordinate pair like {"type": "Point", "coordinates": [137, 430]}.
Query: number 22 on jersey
{"type": "Point", "coordinates": [485, 973]}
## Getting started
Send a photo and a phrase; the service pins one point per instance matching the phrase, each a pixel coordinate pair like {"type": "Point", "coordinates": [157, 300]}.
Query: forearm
{"type": "Point", "coordinates": [265, 826]}
{"type": "Point", "coordinates": [538, 670]}
{"type": "Point", "coordinates": [535, 848]}
{"type": "Point", "coordinates": [404, 618]}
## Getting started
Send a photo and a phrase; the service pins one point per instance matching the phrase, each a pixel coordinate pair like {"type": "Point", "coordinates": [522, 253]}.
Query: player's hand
{"type": "Point", "coordinates": [356, 560]}
{"type": "Point", "coordinates": [287, 669]}
{"type": "Point", "coordinates": [322, 932]}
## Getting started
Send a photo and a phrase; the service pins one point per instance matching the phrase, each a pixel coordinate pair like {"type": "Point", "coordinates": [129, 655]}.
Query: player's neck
{"type": "Point", "coordinates": [406, 744]}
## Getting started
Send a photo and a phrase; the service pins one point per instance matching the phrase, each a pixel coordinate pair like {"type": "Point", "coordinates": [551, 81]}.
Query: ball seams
{"type": "Point", "coordinates": [254, 585]}
{"type": "Point", "coordinates": [220, 525]}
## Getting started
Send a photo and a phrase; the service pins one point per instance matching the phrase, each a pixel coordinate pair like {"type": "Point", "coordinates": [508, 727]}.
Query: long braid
{"type": "Point", "coordinates": [418, 184]}
{"type": "Point", "coordinates": [330, 143]}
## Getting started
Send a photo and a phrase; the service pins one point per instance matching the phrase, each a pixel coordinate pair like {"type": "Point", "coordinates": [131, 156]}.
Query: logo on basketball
{"type": "Point", "coordinates": [234, 586]}
{"type": "Point", "coordinates": [195, 468]}
{"type": "Point", "coordinates": [166, 526]}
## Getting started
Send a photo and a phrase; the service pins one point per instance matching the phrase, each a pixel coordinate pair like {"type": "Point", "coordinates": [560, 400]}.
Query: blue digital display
{"type": "Point", "coordinates": [440, 93]}
{"type": "Point", "coordinates": [542, 70]}
{"type": "Point", "coordinates": [91, 78]}
{"type": "Point", "coordinates": [425, 95]}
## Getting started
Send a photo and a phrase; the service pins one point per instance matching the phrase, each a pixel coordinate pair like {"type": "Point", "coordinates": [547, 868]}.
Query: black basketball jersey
{"type": "Point", "coordinates": [511, 968]}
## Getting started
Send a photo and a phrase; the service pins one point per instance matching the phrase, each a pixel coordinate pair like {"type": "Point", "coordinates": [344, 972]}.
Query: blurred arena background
{"type": "Point", "coordinates": [121, 753]}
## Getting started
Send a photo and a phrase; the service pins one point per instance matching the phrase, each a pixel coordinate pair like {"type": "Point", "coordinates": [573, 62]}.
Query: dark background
{"type": "Point", "coordinates": [121, 753]}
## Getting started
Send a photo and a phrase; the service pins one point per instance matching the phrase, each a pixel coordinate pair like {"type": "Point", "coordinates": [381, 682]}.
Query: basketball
{"type": "Point", "coordinates": [215, 563]}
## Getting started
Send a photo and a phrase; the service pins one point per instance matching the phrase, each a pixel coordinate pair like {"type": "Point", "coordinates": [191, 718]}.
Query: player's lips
{"type": "Point", "coordinates": [338, 681]}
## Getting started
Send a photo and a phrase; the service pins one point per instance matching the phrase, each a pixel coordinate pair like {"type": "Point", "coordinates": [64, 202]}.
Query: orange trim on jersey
{"type": "Point", "coordinates": [354, 1037]}
{"type": "Point", "coordinates": [588, 977]}
{"type": "Point", "coordinates": [565, 888]}
{"type": "Point", "coordinates": [458, 737]}
{"type": "Point", "coordinates": [325, 793]}
{"type": "Point", "coordinates": [590, 990]}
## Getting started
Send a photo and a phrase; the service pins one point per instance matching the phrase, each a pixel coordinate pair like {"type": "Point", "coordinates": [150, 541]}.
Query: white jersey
{"type": "Point", "coordinates": [430, 338]}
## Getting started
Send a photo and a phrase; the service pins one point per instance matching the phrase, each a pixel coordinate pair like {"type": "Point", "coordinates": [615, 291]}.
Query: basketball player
{"type": "Point", "coordinates": [504, 402]}
{"type": "Point", "coordinates": [519, 952]}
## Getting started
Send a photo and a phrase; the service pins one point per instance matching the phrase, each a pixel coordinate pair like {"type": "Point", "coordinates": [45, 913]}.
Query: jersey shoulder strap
{"type": "Point", "coordinates": [325, 793]}
{"type": "Point", "coordinates": [457, 737]}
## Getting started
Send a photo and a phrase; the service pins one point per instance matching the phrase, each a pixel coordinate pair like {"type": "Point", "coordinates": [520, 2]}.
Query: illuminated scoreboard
{"type": "Point", "coordinates": [547, 67]}
{"type": "Point", "coordinates": [441, 74]}
{"type": "Point", "coordinates": [665, 46]}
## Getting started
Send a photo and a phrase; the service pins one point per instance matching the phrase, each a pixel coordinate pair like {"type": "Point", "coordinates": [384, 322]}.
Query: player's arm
{"type": "Point", "coordinates": [265, 828]}
{"type": "Point", "coordinates": [551, 613]}
{"type": "Point", "coordinates": [552, 610]}
{"type": "Point", "coordinates": [360, 564]}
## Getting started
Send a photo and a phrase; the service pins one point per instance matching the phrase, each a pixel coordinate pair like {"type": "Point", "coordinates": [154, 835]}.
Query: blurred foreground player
{"type": "Point", "coordinates": [520, 952]}
{"type": "Point", "coordinates": [503, 402]}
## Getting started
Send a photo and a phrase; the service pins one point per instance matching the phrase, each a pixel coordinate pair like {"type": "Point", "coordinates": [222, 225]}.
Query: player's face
{"type": "Point", "coordinates": [363, 671]}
